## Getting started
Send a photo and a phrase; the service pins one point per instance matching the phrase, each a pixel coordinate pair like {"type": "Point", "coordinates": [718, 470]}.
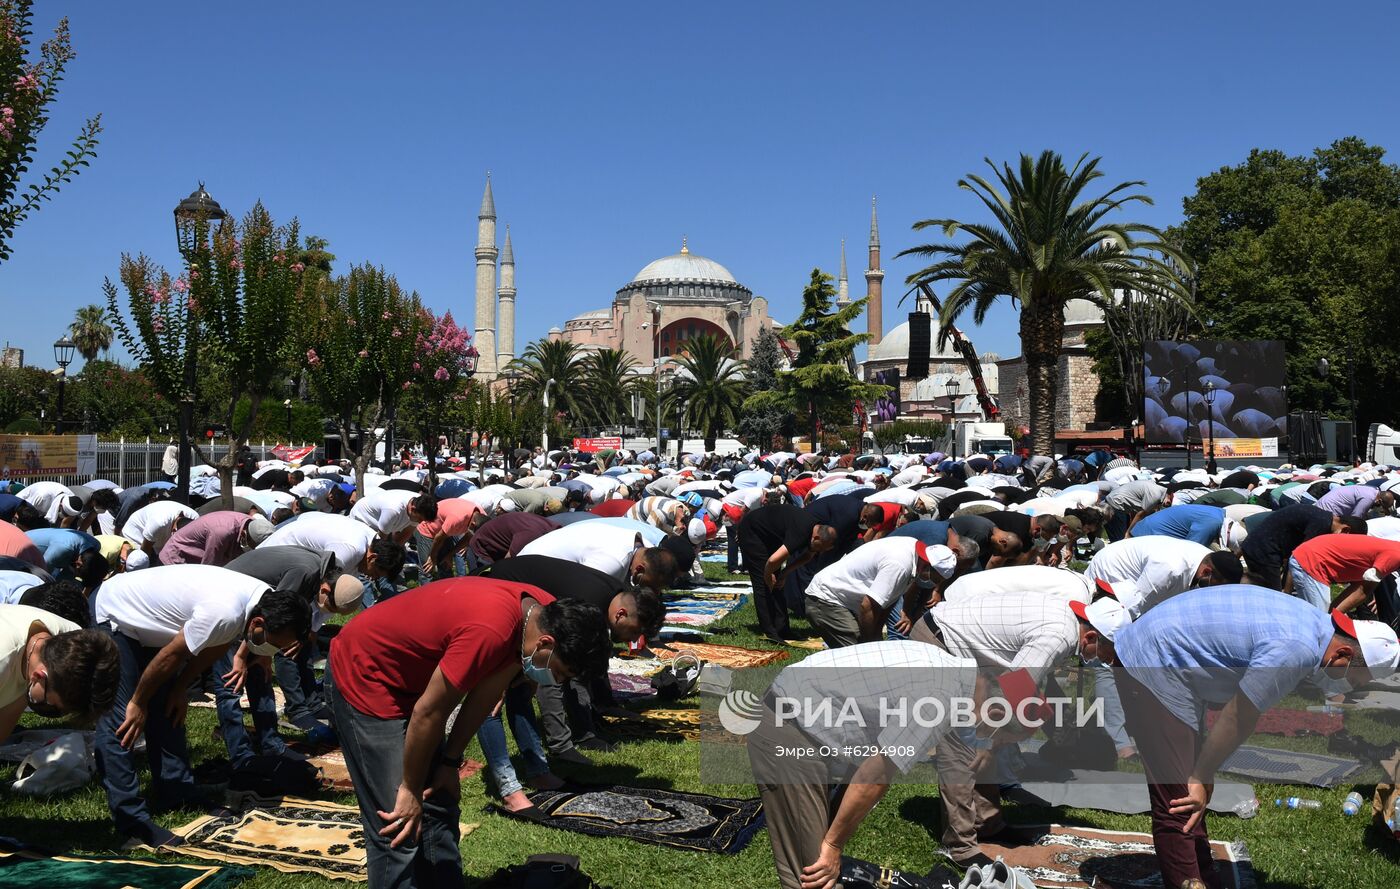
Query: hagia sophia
{"type": "Point", "coordinates": [684, 295]}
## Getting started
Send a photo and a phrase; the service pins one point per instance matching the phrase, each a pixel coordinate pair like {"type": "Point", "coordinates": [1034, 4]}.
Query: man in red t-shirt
{"type": "Point", "coordinates": [399, 669]}
{"type": "Point", "coordinates": [1358, 560]}
{"type": "Point", "coordinates": [613, 509]}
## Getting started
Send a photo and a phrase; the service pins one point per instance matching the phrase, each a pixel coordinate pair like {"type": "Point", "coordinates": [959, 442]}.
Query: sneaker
{"type": "Point", "coordinates": [975, 878]}
{"type": "Point", "coordinates": [1000, 875]}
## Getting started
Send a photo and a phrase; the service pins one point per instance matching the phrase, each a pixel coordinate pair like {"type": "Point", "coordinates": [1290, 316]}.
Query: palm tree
{"type": "Point", "coordinates": [557, 360]}
{"type": "Point", "coordinates": [1049, 244]}
{"type": "Point", "coordinates": [608, 382]}
{"type": "Point", "coordinates": [90, 331]}
{"type": "Point", "coordinates": [710, 383]}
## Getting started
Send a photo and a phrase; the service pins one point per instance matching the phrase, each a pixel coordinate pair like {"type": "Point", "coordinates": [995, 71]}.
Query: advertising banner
{"type": "Point", "coordinates": [1246, 447]}
{"type": "Point", "coordinates": [26, 455]}
{"type": "Point", "coordinates": [594, 445]}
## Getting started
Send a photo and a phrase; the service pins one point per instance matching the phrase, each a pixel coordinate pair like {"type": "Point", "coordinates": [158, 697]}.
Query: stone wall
{"type": "Point", "coordinates": [1074, 403]}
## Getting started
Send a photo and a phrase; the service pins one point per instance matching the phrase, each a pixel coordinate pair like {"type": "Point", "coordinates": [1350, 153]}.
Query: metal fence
{"type": "Point", "coordinates": [132, 463]}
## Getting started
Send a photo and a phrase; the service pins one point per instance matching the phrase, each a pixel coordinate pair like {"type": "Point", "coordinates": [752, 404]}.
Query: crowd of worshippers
{"type": "Point", "coordinates": [490, 591]}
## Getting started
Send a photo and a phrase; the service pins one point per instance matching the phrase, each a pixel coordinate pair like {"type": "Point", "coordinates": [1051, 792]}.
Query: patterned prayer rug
{"type": "Point", "coordinates": [660, 817]}
{"type": "Point", "coordinates": [694, 611]}
{"type": "Point", "coordinates": [205, 701]}
{"type": "Point", "coordinates": [1289, 723]}
{"type": "Point", "coordinates": [1289, 767]}
{"type": "Point", "coordinates": [629, 689]}
{"type": "Point", "coordinates": [1080, 857]}
{"type": "Point", "coordinates": [724, 655]}
{"type": "Point", "coordinates": [25, 869]}
{"type": "Point", "coordinates": [291, 835]}
{"type": "Point", "coordinates": [656, 725]}
{"type": "Point", "coordinates": [336, 775]}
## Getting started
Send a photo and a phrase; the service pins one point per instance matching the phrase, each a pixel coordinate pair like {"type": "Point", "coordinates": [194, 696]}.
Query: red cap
{"type": "Point", "coordinates": [921, 552]}
{"type": "Point", "coordinates": [1344, 624]}
{"type": "Point", "coordinates": [1104, 587]}
{"type": "Point", "coordinates": [1018, 686]}
{"type": "Point", "coordinates": [1079, 608]}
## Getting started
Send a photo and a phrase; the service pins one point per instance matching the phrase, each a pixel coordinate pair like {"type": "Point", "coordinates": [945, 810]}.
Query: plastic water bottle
{"type": "Point", "coordinates": [1246, 808]}
{"type": "Point", "coordinates": [1352, 804]}
{"type": "Point", "coordinates": [1330, 709]}
{"type": "Point", "coordinates": [1298, 802]}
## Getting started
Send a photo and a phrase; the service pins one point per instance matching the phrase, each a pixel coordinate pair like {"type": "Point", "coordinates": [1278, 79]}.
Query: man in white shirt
{"type": "Point", "coordinates": [618, 552]}
{"type": "Point", "coordinates": [1061, 582]}
{"type": "Point", "coordinates": [394, 513]}
{"type": "Point", "coordinates": [150, 527]}
{"type": "Point", "coordinates": [329, 494]}
{"type": "Point", "coordinates": [1018, 637]}
{"type": "Point", "coordinates": [357, 548]}
{"type": "Point", "coordinates": [849, 600]}
{"type": "Point", "coordinates": [170, 624]}
{"type": "Point", "coordinates": [47, 497]}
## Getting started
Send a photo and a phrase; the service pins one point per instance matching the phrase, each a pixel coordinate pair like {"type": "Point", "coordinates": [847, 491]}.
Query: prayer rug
{"type": "Point", "coordinates": [1121, 792]}
{"type": "Point", "coordinates": [1080, 857]}
{"type": "Point", "coordinates": [656, 725]}
{"type": "Point", "coordinates": [634, 666]}
{"type": "Point", "coordinates": [336, 775]}
{"type": "Point", "coordinates": [1289, 723]}
{"type": "Point", "coordinates": [627, 688]}
{"type": "Point", "coordinates": [1289, 767]}
{"type": "Point", "coordinates": [699, 612]}
{"type": "Point", "coordinates": [691, 821]}
{"type": "Point", "coordinates": [1373, 700]}
{"type": "Point", "coordinates": [814, 644]}
{"type": "Point", "coordinates": [206, 701]}
{"type": "Point", "coordinates": [724, 655]}
{"type": "Point", "coordinates": [26, 869]}
{"type": "Point", "coordinates": [291, 835]}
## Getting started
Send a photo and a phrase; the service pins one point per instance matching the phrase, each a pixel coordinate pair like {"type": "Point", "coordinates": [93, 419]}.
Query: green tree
{"type": "Point", "coordinates": [28, 87]}
{"type": "Point", "coordinates": [609, 379]}
{"type": "Point", "coordinates": [822, 385]}
{"type": "Point", "coordinates": [109, 399]}
{"type": "Point", "coordinates": [1281, 238]}
{"type": "Point", "coordinates": [357, 335]}
{"type": "Point", "coordinates": [760, 426]}
{"type": "Point", "coordinates": [1118, 348]}
{"type": "Point", "coordinates": [557, 360]}
{"type": "Point", "coordinates": [710, 383]}
{"type": "Point", "coordinates": [90, 331]}
{"type": "Point", "coordinates": [24, 391]}
{"type": "Point", "coordinates": [1048, 243]}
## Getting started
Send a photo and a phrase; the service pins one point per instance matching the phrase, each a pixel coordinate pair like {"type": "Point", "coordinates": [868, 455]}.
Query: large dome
{"type": "Point", "coordinates": [894, 346]}
{"type": "Point", "coordinates": [684, 266]}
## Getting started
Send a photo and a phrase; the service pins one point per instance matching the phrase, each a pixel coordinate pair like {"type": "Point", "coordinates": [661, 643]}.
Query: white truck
{"type": "Point", "coordinates": [971, 437]}
{"type": "Point", "coordinates": [1383, 445]}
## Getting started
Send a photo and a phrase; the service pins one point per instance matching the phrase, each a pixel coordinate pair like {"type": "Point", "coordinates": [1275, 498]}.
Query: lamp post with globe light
{"type": "Point", "coordinates": [1209, 396]}
{"type": "Point", "coordinates": [63, 355]}
{"type": "Point", "coordinates": [192, 218]}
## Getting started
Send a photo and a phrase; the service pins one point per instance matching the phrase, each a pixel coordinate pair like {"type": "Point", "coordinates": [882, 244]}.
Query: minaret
{"type": "Point", "coordinates": [505, 297]}
{"type": "Point", "coordinates": [843, 286]}
{"type": "Point", "coordinates": [874, 281]}
{"type": "Point", "coordinates": [485, 339]}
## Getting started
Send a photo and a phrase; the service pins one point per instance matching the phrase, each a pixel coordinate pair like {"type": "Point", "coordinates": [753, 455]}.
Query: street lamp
{"type": "Point", "coordinates": [953, 386]}
{"type": "Point", "coordinates": [192, 218]}
{"type": "Point", "coordinates": [1324, 368]}
{"type": "Point", "coordinates": [287, 405]}
{"type": "Point", "coordinates": [63, 354]}
{"type": "Point", "coordinates": [1209, 396]}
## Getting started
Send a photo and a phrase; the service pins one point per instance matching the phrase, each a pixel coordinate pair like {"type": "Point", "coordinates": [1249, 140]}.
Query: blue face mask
{"type": "Point", "coordinates": [539, 675]}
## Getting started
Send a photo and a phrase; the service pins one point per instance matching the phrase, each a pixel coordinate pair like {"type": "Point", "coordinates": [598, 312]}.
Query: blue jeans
{"type": "Point", "coordinates": [377, 590]}
{"type": "Point", "coordinates": [1308, 588]}
{"type": "Point", "coordinates": [166, 750]}
{"type": "Point", "coordinates": [260, 701]}
{"type": "Point", "coordinates": [520, 706]}
{"type": "Point", "coordinates": [299, 686]}
{"type": "Point", "coordinates": [373, 750]}
{"type": "Point", "coordinates": [1106, 688]}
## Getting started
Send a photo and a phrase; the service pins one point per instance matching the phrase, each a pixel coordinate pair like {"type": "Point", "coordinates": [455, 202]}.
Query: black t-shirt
{"type": "Point", "coordinates": [1282, 531]}
{"type": "Point", "coordinates": [1013, 523]}
{"type": "Point", "coordinates": [561, 579]}
{"type": "Point", "coordinates": [402, 484]}
{"type": "Point", "coordinates": [949, 505]}
{"type": "Point", "coordinates": [297, 568]}
{"type": "Point", "coordinates": [278, 479]}
{"type": "Point", "coordinates": [765, 529]}
{"type": "Point", "coordinates": [842, 512]}
{"type": "Point", "coordinates": [504, 535]}
{"type": "Point", "coordinates": [975, 527]}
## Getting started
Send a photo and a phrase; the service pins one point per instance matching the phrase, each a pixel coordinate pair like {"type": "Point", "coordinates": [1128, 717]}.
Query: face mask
{"type": "Point", "coordinates": [538, 675]}
{"type": "Point", "coordinates": [1329, 685]}
{"type": "Point", "coordinates": [263, 648]}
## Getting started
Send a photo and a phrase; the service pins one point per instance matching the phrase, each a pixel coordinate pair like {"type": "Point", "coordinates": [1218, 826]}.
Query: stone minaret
{"type": "Point", "coordinates": [843, 286]}
{"type": "Point", "coordinates": [505, 296]}
{"type": "Point", "coordinates": [874, 281]}
{"type": "Point", "coordinates": [485, 339]}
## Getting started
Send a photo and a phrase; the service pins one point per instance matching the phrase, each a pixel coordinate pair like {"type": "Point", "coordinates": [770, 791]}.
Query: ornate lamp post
{"type": "Point", "coordinates": [287, 406]}
{"type": "Point", "coordinates": [63, 354]}
{"type": "Point", "coordinates": [1209, 396]}
{"type": "Point", "coordinates": [953, 386]}
{"type": "Point", "coordinates": [192, 218]}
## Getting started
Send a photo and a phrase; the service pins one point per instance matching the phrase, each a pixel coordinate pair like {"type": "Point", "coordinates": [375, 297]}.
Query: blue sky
{"type": "Point", "coordinates": [758, 130]}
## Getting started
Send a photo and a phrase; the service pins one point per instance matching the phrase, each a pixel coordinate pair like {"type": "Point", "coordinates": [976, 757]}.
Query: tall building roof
{"type": "Point", "coordinates": [507, 254]}
{"type": "Point", "coordinates": [684, 266]}
{"type": "Point", "coordinates": [874, 225]}
{"type": "Point", "coordinates": [488, 203]}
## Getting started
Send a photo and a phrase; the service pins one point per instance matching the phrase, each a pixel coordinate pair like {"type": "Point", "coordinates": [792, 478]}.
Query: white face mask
{"type": "Point", "coordinates": [264, 648]}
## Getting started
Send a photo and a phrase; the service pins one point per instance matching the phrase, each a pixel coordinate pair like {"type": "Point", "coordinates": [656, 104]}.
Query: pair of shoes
{"type": "Point", "coordinates": [153, 836]}
{"type": "Point", "coordinates": [573, 757]}
{"type": "Point", "coordinates": [598, 744]}
{"type": "Point", "coordinates": [996, 875]}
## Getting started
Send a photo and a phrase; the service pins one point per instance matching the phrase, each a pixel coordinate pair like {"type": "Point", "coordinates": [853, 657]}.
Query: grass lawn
{"type": "Point", "coordinates": [1290, 848]}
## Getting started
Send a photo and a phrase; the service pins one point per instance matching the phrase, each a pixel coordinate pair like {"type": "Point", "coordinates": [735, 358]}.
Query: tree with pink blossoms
{"type": "Point", "coordinates": [28, 86]}
{"type": "Point", "coordinates": [443, 362]}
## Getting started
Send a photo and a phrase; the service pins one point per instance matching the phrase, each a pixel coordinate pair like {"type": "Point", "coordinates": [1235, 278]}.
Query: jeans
{"type": "Point", "coordinates": [732, 536]}
{"type": "Point", "coordinates": [566, 714]}
{"type": "Point", "coordinates": [299, 686]}
{"type": "Point", "coordinates": [373, 750]}
{"type": "Point", "coordinates": [1106, 688]}
{"type": "Point", "coordinates": [893, 618]}
{"type": "Point", "coordinates": [166, 750]}
{"type": "Point", "coordinates": [1308, 588]}
{"type": "Point", "coordinates": [1117, 526]}
{"type": "Point", "coordinates": [377, 589]}
{"type": "Point", "coordinates": [260, 701]}
{"type": "Point", "coordinates": [771, 605]}
{"type": "Point", "coordinates": [520, 707]}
